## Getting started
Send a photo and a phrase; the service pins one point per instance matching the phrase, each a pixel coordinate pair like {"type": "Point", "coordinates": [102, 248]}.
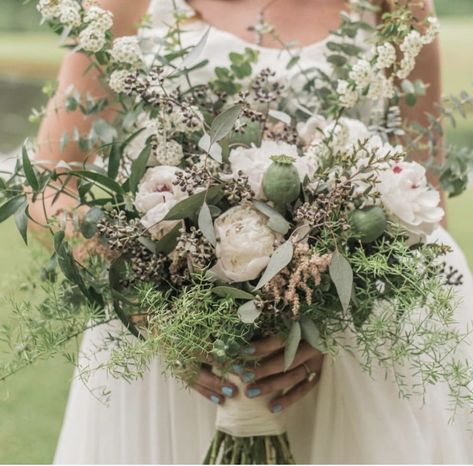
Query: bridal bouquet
{"type": "Point", "coordinates": [222, 212]}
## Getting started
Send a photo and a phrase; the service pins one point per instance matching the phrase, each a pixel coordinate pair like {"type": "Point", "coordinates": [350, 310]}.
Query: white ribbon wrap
{"type": "Point", "coordinates": [241, 416]}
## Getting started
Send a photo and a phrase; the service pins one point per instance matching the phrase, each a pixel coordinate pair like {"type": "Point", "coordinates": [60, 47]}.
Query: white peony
{"type": "Point", "coordinates": [244, 243]}
{"type": "Point", "coordinates": [406, 194]}
{"type": "Point", "coordinates": [254, 161]}
{"type": "Point", "coordinates": [156, 196]}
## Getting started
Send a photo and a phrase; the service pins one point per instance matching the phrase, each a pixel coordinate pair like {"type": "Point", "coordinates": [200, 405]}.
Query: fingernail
{"type": "Point", "coordinates": [277, 408]}
{"type": "Point", "coordinates": [248, 377]}
{"type": "Point", "coordinates": [215, 399]}
{"type": "Point", "coordinates": [249, 350]}
{"type": "Point", "coordinates": [237, 368]}
{"type": "Point", "coordinates": [228, 391]}
{"type": "Point", "coordinates": [253, 392]}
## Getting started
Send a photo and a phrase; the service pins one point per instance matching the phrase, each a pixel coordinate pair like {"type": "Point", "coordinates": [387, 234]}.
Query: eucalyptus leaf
{"type": "Point", "coordinates": [231, 292]}
{"type": "Point", "coordinates": [188, 207]}
{"type": "Point", "coordinates": [248, 312]}
{"type": "Point", "coordinates": [310, 333]}
{"type": "Point", "coordinates": [88, 225]}
{"type": "Point", "coordinates": [214, 150]}
{"type": "Point", "coordinates": [281, 116]}
{"type": "Point", "coordinates": [341, 274]}
{"type": "Point", "coordinates": [206, 225]}
{"type": "Point", "coordinates": [224, 123]}
{"type": "Point", "coordinates": [192, 57]}
{"type": "Point", "coordinates": [292, 344]}
{"type": "Point", "coordinates": [280, 258]}
{"type": "Point", "coordinates": [276, 221]}
{"type": "Point", "coordinates": [114, 160]}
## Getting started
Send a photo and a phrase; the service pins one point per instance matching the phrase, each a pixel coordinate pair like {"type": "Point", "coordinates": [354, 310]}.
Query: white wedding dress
{"type": "Point", "coordinates": [350, 418]}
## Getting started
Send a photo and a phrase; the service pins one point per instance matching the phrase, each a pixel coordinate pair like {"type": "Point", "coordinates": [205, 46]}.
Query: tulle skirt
{"type": "Point", "coordinates": [352, 417]}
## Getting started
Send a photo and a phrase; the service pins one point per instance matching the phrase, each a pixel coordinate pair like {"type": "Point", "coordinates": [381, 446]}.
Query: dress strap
{"type": "Point", "coordinates": [162, 11]}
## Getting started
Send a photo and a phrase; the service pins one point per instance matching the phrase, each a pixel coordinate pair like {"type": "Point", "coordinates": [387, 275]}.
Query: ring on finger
{"type": "Point", "coordinates": [310, 374]}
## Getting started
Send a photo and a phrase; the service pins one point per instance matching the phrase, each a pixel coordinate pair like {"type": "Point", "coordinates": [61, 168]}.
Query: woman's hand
{"type": "Point", "coordinates": [268, 375]}
{"type": "Point", "coordinates": [213, 387]}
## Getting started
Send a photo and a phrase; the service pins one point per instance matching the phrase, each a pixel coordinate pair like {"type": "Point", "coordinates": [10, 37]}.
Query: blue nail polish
{"type": "Point", "coordinates": [253, 392]}
{"type": "Point", "coordinates": [248, 377]}
{"type": "Point", "coordinates": [249, 350]}
{"type": "Point", "coordinates": [237, 368]}
{"type": "Point", "coordinates": [228, 391]}
{"type": "Point", "coordinates": [277, 408]}
{"type": "Point", "coordinates": [215, 399]}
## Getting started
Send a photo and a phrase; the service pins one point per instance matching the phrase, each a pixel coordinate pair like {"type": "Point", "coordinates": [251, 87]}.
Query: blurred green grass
{"type": "Point", "coordinates": [32, 403]}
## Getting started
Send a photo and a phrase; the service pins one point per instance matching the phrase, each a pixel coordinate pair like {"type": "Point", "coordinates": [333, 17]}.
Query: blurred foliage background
{"type": "Point", "coordinates": [32, 403]}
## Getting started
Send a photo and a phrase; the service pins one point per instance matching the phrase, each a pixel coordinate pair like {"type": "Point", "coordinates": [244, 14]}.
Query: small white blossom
{"type": "Point", "coordinates": [102, 19]}
{"type": "Point", "coordinates": [362, 74]}
{"type": "Point", "coordinates": [348, 96]}
{"type": "Point", "coordinates": [432, 30]}
{"type": "Point", "coordinates": [117, 81]}
{"type": "Point", "coordinates": [49, 9]}
{"type": "Point", "coordinates": [92, 40]}
{"type": "Point", "coordinates": [127, 50]}
{"type": "Point", "coordinates": [381, 88]}
{"type": "Point", "coordinates": [407, 65]}
{"type": "Point", "coordinates": [168, 153]}
{"type": "Point", "coordinates": [386, 55]}
{"type": "Point", "coordinates": [70, 14]}
{"type": "Point", "coordinates": [412, 44]}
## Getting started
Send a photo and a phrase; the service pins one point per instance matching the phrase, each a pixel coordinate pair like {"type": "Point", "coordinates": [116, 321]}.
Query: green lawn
{"type": "Point", "coordinates": [32, 403]}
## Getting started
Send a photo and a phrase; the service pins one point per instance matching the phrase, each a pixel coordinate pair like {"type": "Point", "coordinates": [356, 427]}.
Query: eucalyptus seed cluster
{"type": "Point", "coordinates": [247, 111]}
{"type": "Point", "coordinates": [453, 277]}
{"type": "Point", "coordinates": [238, 189]}
{"type": "Point", "coordinates": [281, 132]}
{"type": "Point", "coordinates": [148, 87]}
{"type": "Point", "coordinates": [266, 90]}
{"type": "Point", "coordinates": [192, 253]}
{"type": "Point", "coordinates": [122, 236]}
{"type": "Point", "coordinates": [191, 179]}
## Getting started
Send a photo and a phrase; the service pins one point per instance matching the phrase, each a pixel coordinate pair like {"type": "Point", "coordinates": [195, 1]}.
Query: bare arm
{"type": "Point", "coordinates": [73, 72]}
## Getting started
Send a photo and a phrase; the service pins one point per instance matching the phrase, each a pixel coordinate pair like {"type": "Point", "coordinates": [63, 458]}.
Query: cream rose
{"type": "Point", "coordinates": [406, 195]}
{"type": "Point", "coordinates": [244, 243]}
{"type": "Point", "coordinates": [254, 161]}
{"type": "Point", "coordinates": [156, 196]}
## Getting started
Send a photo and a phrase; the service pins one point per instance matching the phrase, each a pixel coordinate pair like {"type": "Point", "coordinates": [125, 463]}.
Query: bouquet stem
{"type": "Point", "coordinates": [228, 449]}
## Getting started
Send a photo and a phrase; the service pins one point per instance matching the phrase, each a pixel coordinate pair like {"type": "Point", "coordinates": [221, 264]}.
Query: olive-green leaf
{"type": "Point", "coordinates": [231, 292]}
{"type": "Point", "coordinates": [138, 169]}
{"type": "Point", "coordinates": [341, 274]}
{"type": "Point", "coordinates": [292, 344]}
{"type": "Point", "coordinates": [276, 221]}
{"type": "Point", "coordinates": [28, 169]}
{"type": "Point", "coordinates": [248, 312]}
{"type": "Point", "coordinates": [280, 258]}
{"type": "Point", "coordinates": [114, 160]}
{"type": "Point", "coordinates": [99, 179]}
{"type": "Point", "coordinates": [188, 207]}
{"type": "Point", "coordinates": [21, 221]}
{"type": "Point", "coordinates": [11, 206]}
{"type": "Point", "coordinates": [169, 241]}
{"type": "Point", "coordinates": [310, 333]}
{"type": "Point", "coordinates": [223, 123]}
{"type": "Point", "coordinates": [206, 224]}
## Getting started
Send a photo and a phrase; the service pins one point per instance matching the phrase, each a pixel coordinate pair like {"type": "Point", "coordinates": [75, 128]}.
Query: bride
{"type": "Point", "coordinates": [342, 415]}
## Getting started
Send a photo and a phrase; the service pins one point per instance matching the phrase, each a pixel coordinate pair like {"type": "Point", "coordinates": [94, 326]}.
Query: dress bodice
{"type": "Point", "coordinates": [220, 43]}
